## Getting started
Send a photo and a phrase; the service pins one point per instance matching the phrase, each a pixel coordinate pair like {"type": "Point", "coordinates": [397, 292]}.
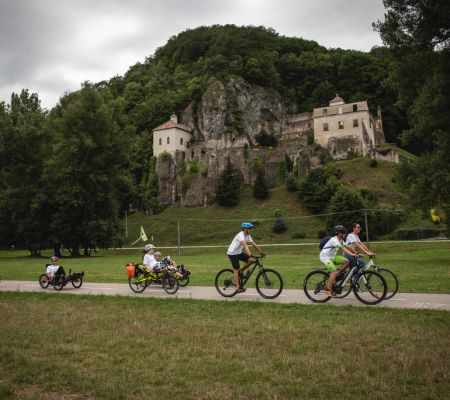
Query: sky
{"type": "Point", "coordinates": [51, 46]}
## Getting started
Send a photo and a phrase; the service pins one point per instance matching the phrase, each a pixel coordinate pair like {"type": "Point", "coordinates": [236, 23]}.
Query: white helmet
{"type": "Point", "coordinates": [148, 247]}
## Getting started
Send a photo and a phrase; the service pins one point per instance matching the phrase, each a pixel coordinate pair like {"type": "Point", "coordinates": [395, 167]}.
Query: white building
{"type": "Point", "coordinates": [340, 125]}
{"type": "Point", "coordinates": [170, 137]}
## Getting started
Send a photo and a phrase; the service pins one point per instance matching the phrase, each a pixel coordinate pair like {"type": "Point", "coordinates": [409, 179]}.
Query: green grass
{"type": "Point", "coordinates": [129, 348]}
{"type": "Point", "coordinates": [421, 267]}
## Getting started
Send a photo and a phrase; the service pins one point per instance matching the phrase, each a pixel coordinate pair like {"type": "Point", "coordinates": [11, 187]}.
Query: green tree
{"type": "Point", "coordinates": [228, 186]}
{"type": "Point", "coordinates": [85, 173]}
{"type": "Point", "coordinates": [260, 185]}
{"type": "Point", "coordinates": [418, 34]}
{"type": "Point", "coordinates": [23, 148]}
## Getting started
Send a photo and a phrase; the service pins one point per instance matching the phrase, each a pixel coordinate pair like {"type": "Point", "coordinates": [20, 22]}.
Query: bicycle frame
{"type": "Point", "coordinates": [249, 271]}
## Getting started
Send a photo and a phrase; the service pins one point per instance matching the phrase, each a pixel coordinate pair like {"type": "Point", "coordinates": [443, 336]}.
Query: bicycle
{"type": "Point", "coordinates": [269, 283]}
{"type": "Point", "coordinates": [139, 279]}
{"type": "Point", "coordinates": [59, 281]}
{"type": "Point", "coordinates": [390, 278]}
{"type": "Point", "coordinates": [369, 287]}
{"type": "Point", "coordinates": [183, 275]}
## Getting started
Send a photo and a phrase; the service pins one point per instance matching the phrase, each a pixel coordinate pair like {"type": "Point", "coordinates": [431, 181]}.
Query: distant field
{"type": "Point", "coordinates": [421, 267]}
{"type": "Point", "coordinates": [94, 347]}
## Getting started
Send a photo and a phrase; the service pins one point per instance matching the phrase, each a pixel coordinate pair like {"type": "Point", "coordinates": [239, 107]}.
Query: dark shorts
{"type": "Point", "coordinates": [235, 259]}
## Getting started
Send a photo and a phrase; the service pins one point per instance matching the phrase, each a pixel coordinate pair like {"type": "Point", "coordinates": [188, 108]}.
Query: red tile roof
{"type": "Point", "coordinates": [170, 124]}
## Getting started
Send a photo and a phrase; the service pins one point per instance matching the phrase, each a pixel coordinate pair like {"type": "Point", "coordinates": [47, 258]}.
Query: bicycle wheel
{"type": "Point", "coordinates": [391, 282]}
{"type": "Point", "coordinates": [58, 282]}
{"type": "Point", "coordinates": [370, 288]}
{"type": "Point", "coordinates": [183, 282]}
{"type": "Point", "coordinates": [269, 283]}
{"type": "Point", "coordinates": [138, 283]}
{"type": "Point", "coordinates": [170, 284]}
{"type": "Point", "coordinates": [224, 283]}
{"type": "Point", "coordinates": [77, 282]}
{"type": "Point", "coordinates": [44, 281]}
{"type": "Point", "coordinates": [314, 286]}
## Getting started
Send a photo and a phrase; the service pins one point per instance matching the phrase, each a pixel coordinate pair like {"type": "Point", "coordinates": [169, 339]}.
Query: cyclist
{"type": "Point", "coordinates": [53, 268]}
{"type": "Point", "coordinates": [354, 242]}
{"type": "Point", "coordinates": [167, 261]}
{"type": "Point", "coordinates": [239, 250]}
{"type": "Point", "coordinates": [329, 257]}
{"type": "Point", "coordinates": [149, 260]}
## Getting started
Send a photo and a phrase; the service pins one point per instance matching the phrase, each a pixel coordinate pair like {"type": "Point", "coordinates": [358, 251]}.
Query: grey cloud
{"type": "Point", "coordinates": [51, 46]}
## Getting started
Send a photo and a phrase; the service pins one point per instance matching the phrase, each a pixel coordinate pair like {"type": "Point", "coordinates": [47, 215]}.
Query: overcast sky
{"type": "Point", "coordinates": [52, 46]}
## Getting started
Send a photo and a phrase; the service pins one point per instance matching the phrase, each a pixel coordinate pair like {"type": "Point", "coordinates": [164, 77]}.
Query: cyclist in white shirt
{"type": "Point", "coordinates": [329, 257]}
{"type": "Point", "coordinates": [355, 243]}
{"type": "Point", "coordinates": [53, 268]}
{"type": "Point", "coordinates": [149, 260]}
{"type": "Point", "coordinates": [239, 251]}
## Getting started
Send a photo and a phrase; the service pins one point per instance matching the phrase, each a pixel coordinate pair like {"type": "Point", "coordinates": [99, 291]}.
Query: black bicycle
{"type": "Point", "coordinates": [369, 287]}
{"type": "Point", "coordinates": [59, 281]}
{"type": "Point", "coordinates": [269, 283]}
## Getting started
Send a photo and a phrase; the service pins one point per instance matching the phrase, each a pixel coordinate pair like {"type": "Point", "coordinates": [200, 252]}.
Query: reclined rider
{"type": "Point", "coordinates": [54, 269]}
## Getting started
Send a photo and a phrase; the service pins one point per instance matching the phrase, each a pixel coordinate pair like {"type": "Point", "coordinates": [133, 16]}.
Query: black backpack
{"type": "Point", "coordinates": [324, 241]}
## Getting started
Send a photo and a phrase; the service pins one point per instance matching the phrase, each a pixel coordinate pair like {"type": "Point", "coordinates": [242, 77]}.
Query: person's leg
{"type": "Point", "coordinates": [331, 268]}
{"type": "Point", "coordinates": [234, 259]}
{"type": "Point", "coordinates": [248, 261]}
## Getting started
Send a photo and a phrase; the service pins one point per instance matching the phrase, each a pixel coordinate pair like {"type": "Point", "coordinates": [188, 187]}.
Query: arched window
{"type": "Point", "coordinates": [168, 140]}
{"type": "Point", "coordinates": [160, 141]}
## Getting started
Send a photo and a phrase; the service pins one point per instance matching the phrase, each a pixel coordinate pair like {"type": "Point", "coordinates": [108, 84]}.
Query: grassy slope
{"type": "Point", "coordinates": [85, 347]}
{"type": "Point", "coordinates": [163, 227]}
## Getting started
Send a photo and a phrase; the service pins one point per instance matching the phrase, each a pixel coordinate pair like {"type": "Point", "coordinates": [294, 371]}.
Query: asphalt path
{"type": "Point", "coordinates": [400, 300]}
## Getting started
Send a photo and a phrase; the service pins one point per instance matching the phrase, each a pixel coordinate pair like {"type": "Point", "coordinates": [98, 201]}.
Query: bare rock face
{"type": "Point", "coordinates": [338, 148]}
{"type": "Point", "coordinates": [234, 113]}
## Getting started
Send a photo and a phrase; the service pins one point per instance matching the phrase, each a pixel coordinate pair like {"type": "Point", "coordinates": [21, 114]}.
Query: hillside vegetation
{"type": "Point", "coordinates": [215, 225]}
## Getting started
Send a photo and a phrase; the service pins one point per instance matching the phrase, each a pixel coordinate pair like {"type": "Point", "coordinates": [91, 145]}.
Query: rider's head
{"type": "Point", "coordinates": [149, 248]}
{"type": "Point", "coordinates": [356, 227]}
{"type": "Point", "coordinates": [247, 226]}
{"type": "Point", "coordinates": [340, 230]}
{"type": "Point", "coordinates": [53, 259]}
{"type": "Point", "coordinates": [157, 255]}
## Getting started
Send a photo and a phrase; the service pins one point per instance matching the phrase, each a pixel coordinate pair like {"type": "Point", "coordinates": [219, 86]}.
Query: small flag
{"type": "Point", "coordinates": [142, 236]}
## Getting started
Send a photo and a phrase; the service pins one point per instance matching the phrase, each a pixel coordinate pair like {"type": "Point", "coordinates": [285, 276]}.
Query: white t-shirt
{"type": "Point", "coordinates": [51, 269]}
{"type": "Point", "coordinates": [149, 261]}
{"type": "Point", "coordinates": [330, 249]}
{"type": "Point", "coordinates": [236, 246]}
{"type": "Point", "coordinates": [352, 240]}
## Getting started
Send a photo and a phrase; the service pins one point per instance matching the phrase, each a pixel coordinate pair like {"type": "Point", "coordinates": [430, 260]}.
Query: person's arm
{"type": "Point", "coordinates": [364, 249]}
{"type": "Point", "coordinates": [246, 248]}
{"type": "Point", "coordinates": [258, 249]}
{"type": "Point", "coordinates": [346, 250]}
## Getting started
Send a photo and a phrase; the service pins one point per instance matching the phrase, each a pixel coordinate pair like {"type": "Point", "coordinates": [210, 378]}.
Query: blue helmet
{"type": "Point", "coordinates": [247, 225]}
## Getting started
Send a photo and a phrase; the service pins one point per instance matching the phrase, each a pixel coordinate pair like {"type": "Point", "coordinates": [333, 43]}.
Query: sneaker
{"type": "Point", "coordinates": [240, 290]}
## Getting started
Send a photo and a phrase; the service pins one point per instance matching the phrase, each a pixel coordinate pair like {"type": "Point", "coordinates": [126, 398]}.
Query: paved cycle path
{"type": "Point", "coordinates": [400, 300]}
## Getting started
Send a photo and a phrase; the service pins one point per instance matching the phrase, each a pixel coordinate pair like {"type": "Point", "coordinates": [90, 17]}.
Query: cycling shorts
{"type": "Point", "coordinates": [235, 259]}
{"type": "Point", "coordinates": [334, 263]}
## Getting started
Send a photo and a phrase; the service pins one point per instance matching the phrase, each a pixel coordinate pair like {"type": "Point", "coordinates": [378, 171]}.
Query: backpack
{"type": "Point", "coordinates": [324, 241]}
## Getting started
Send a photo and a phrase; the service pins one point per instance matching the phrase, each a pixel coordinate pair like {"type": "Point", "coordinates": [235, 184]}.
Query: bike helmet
{"type": "Point", "coordinates": [247, 225]}
{"type": "Point", "coordinates": [53, 258]}
{"type": "Point", "coordinates": [340, 229]}
{"type": "Point", "coordinates": [148, 247]}
{"type": "Point", "coordinates": [158, 254]}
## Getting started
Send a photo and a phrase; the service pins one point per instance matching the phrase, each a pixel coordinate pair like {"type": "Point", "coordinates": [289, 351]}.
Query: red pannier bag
{"type": "Point", "coordinates": [131, 270]}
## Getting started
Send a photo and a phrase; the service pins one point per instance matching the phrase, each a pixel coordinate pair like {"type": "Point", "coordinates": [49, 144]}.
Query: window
{"type": "Point", "coordinates": [181, 141]}
{"type": "Point", "coordinates": [355, 123]}
{"type": "Point", "coordinates": [325, 112]}
{"type": "Point", "coordinates": [202, 153]}
{"type": "Point", "coordinates": [168, 140]}
{"type": "Point", "coordinates": [341, 124]}
{"type": "Point", "coordinates": [325, 127]}
{"type": "Point", "coordinates": [355, 107]}
{"type": "Point", "coordinates": [160, 141]}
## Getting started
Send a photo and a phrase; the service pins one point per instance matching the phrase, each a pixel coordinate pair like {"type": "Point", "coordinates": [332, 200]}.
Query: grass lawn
{"type": "Point", "coordinates": [94, 347]}
{"type": "Point", "coordinates": [421, 267]}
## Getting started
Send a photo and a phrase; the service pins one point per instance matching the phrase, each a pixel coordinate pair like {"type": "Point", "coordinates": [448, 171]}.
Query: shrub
{"type": "Point", "coordinates": [260, 186]}
{"type": "Point", "coordinates": [291, 183]}
{"type": "Point", "coordinates": [279, 226]}
{"type": "Point", "coordinates": [298, 235]}
{"type": "Point", "coordinates": [229, 186]}
{"type": "Point", "coordinates": [373, 163]}
{"type": "Point", "coordinates": [417, 233]}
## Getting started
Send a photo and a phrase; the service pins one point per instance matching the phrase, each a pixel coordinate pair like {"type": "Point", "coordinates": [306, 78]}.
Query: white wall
{"type": "Point", "coordinates": [174, 135]}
